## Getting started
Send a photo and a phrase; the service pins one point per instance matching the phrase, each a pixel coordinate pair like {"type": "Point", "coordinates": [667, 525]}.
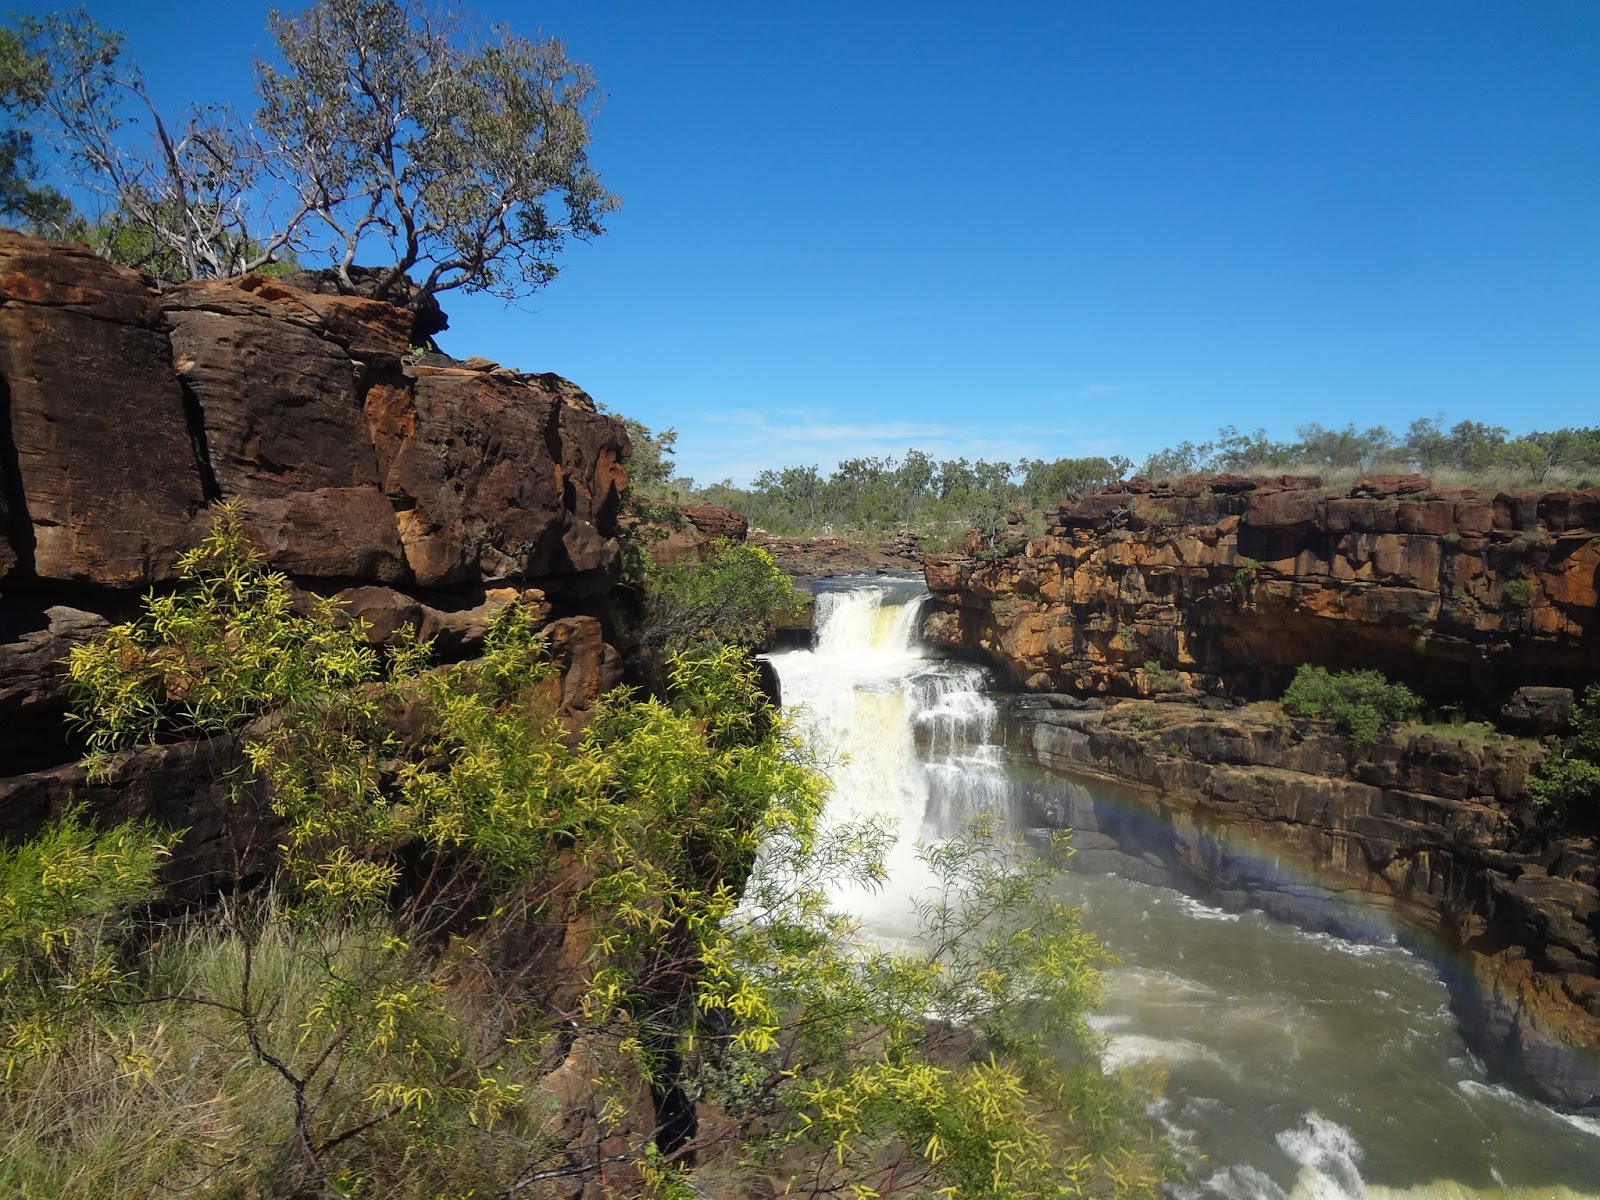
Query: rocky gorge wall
{"type": "Point", "coordinates": [1147, 616]}
{"type": "Point", "coordinates": [1420, 836]}
{"type": "Point", "coordinates": [1225, 586]}
{"type": "Point", "coordinates": [418, 490]}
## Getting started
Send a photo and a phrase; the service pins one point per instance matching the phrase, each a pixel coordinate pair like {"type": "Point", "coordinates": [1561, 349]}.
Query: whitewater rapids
{"type": "Point", "coordinates": [1299, 1067]}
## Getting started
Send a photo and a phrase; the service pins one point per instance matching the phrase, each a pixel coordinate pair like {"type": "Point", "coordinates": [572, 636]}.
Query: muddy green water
{"type": "Point", "coordinates": [1298, 1065]}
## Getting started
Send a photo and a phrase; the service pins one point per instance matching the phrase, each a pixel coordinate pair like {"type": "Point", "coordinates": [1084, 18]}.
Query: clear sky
{"type": "Point", "coordinates": [1048, 228]}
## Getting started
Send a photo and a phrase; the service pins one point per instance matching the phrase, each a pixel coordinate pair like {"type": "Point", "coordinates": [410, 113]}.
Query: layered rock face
{"type": "Point", "coordinates": [1216, 591]}
{"type": "Point", "coordinates": [1418, 836]}
{"type": "Point", "coordinates": [426, 495]}
{"type": "Point", "coordinates": [1225, 586]}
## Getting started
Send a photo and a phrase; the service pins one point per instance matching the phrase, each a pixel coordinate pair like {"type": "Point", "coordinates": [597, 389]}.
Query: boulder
{"type": "Point", "coordinates": [1538, 710]}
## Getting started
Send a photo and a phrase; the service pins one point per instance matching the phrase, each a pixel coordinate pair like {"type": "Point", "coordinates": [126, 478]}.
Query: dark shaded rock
{"type": "Point", "coordinates": [330, 533]}
{"type": "Point", "coordinates": [424, 316]}
{"type": "Point", "coordinates": [590, 668]}
{"type": "Point", "coordinates": [230, 835]}
{"type": "Point", "coordinates": [1538, 710]}
{"type": "Point", "coordinates": [102, 476]}
{"type": "Point", "coordinates": [280, 404]}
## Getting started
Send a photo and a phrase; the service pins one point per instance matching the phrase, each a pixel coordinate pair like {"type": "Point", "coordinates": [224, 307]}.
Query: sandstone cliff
{"type": "Point", "coordinates": [1419, 836]}
{"type": "Point", "coordinates": [1216, 591]}
{"type": "Point", "coordinates": [420, 494]}
{"type": "Point", "coordinates": [1225, 586]}
{"type": "Point", "coordinates": [418, 490]}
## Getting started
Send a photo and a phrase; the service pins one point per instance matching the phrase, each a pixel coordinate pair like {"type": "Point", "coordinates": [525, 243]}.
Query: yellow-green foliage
{"type": "Point", "coordinates": [385, 1022]}
{"type": "Point", "coordinates": [729, 600]}
{"type": "Point", "coordinates": [61, 895]}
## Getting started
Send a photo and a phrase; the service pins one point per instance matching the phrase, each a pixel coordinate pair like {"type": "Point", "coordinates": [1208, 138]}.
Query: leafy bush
{"type": "Point", "coordinates": [485, 916]}
{"type": "Point", "coordinates": [1360, 703]}
{"type": "Point", "coordinates": [730, 599]}
{"type": "Point", "coordinates": [1518, 592]}
{"type": "Point", "coordinates": [1567, 782]}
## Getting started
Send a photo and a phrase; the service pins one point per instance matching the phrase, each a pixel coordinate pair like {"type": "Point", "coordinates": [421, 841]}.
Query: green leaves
{"type": "Point", "coordinates": [465, 155]}
{"type": "Point", "coordinates": [1360, 703]}
{"type": "Point", "coordinates": [959, 1064]}
{"type": "Point", "coordinates": [1567, 782]}
{"type": "Point", "coordinates": [455, 859]}
{"type": "Point", "coordinates": [61, 894]}
{"type": "Point", "coordinates": [692, 608]}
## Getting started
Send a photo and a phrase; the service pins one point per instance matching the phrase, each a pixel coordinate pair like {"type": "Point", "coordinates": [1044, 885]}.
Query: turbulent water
{"type": "Point", "coordinates": [1299, 1067]}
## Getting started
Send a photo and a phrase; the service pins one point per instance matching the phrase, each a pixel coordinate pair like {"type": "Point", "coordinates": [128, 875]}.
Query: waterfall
{"type": "Point", "coordinates": [906, 737]}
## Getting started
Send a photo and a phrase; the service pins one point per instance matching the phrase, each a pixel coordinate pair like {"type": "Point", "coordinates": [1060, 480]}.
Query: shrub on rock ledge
{"type": "Point", "coordinates": [1568, 782]}
{"type": "Point", "coordinates": [1360, 703]}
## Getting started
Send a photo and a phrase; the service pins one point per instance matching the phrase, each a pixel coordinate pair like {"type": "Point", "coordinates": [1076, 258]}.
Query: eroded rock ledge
{"type": "Point", "coordinates": [1224, 586]}
{"type": "Point", "coordinates": [1421, 835]}
{"type": "Point", "coordinates": [1190, 598]}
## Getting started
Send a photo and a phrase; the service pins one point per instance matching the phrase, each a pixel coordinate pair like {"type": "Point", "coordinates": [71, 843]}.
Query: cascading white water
{"type": "Point", "coordinates": [1302, 1067]}
{"type": "Point", "coordinates": [908, 736]}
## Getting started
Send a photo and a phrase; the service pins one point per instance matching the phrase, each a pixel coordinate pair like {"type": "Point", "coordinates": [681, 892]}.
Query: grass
{"type": "Point", "coordinates": [167, 1097]}
{"type": "Point", "coordinates": [1481, 733]}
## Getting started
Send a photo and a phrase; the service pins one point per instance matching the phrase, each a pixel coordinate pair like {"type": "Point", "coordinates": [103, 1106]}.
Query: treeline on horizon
{"type": "Point", "coordinates": [872, 496]}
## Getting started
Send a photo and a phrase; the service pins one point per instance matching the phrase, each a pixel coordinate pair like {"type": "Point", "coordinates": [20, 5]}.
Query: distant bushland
{"type": "Point", "coordinates": [872, 496]}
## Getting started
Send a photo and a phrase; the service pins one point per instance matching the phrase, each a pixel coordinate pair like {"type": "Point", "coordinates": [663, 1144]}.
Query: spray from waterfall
{"type": "Point", "coordinates": [910, 735]}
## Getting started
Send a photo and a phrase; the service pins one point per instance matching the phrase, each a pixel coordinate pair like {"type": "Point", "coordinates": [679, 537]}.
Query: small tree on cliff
{"type": "Point", "coordinates": [388, 123]}
{"type": "Point", "coordinates": [468, 157]}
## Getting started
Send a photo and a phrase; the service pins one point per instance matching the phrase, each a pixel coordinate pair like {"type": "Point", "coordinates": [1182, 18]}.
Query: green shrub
{"type": "Point", "coordinates": [1567, 782]}
{"type": "Point", "coordinates": [465, 910]}
{"type": "Point", "coordinates": [1360, 703]}
{"type": "Point", "coordinates": [1518, 592]}
{"type": "Point", "coordinates": [728, 600]}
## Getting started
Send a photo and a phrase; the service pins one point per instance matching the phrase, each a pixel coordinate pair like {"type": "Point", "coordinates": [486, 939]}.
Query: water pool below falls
{"type": "Point", "coordinates": [1298, 1065]}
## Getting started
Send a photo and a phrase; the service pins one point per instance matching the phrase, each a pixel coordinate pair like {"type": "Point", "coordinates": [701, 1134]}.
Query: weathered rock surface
{"type": "Point", "coordinates": [1225, 586]}
{"type": "Point", "coordinates": [808, 559]}
{"type": "Point", "coordinates": [1418, 836]}
{"type": "Point", "coordinates": [426, 496]}
{"type": "Point", "coordinates": [100, 471]}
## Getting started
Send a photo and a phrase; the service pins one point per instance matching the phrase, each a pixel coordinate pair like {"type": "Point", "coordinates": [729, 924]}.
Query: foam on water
{"type": "Point", "coordinates": [1305, 1066]}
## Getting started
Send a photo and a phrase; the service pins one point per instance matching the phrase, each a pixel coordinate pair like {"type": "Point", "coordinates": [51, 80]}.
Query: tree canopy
{"type": "Point", "coordinates": [392, 129]}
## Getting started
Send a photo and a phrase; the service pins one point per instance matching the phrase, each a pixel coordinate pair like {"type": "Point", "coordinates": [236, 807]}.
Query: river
{"type": "Point", "coordinates": [1298, 1066]}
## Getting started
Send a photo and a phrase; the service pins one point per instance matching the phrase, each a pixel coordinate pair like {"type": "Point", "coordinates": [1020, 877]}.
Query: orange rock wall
{"type": "Point", "coordinates": [1225, 586]}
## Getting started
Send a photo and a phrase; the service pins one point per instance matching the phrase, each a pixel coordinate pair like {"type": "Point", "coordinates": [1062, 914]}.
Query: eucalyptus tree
{"type": "Point", "coordinates": [390, 130]}
{"type": "Point", "coordinates": [467, 156]}
{"type": "Point", "coordinates": [177, 197]}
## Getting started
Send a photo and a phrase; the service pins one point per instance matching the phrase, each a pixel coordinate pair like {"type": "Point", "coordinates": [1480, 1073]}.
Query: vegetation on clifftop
{"type": "Point", "coordinates": [392, 129]}
{"type": "Point", "coordinates": [493, 936]}
{"type": "Point", "coordinates": [874, 496]}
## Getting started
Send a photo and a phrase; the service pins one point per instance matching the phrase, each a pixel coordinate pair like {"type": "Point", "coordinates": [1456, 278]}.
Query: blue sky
{"type": "Point", "coordinates": [1049, 229]}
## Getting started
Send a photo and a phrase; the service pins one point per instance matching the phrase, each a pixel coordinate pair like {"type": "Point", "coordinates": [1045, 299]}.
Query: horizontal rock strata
{"type": "Point", "coordinates": [423, 493]}
{"type": "Point", "coordinates": [1225, 586]}
{"type": "Point", "coordinates": [1416, 836]}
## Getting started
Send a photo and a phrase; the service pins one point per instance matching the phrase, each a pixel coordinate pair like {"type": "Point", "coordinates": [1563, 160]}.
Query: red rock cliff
{"type": "Point", "coordinates": [1225, 586]}
{"type": "Point", "coordinates": [426, 495]}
